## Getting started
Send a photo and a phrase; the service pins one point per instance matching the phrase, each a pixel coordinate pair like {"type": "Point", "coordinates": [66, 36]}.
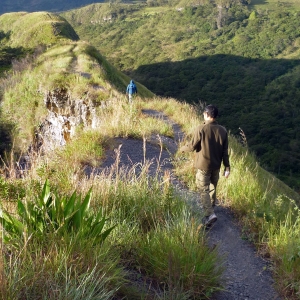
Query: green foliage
{"type": "Point", "coordinates": [49, 213]}
{"type": "Point", "coordinates": [249, 67]}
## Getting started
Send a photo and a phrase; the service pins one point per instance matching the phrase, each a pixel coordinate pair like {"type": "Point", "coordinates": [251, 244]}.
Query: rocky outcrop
{"type": "Point", "coordinates": [64, 115]}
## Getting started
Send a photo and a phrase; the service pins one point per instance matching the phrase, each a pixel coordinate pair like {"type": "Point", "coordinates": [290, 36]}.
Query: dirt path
{"type": "Point", "coordinates": [247, 276]}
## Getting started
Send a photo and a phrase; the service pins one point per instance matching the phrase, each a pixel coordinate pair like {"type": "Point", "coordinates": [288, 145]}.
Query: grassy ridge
{"type": "Point", "coordinates": [21, 33]}
{"type": "Point", "coordinates": [266, 206]}
{"type": "Point", "coordinates": [156, 234]}
{"type": "Point", "coordinates": [60, 66]}
{"type": "Point", "coordinates": [40, 28]}
{"type": "Point", "coordinates": [45, 69]}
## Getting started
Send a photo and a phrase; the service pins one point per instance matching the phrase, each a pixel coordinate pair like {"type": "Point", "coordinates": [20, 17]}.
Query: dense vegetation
{"type": "Point", "coordinates": [243, 59]}
{"type": "Point", "coordinates": [129, 231]}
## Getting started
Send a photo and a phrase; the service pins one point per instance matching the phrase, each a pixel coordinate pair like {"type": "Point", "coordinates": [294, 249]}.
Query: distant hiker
{"type": "Point", "coordinates": [210, 141]}
{"type": "Point", "coordinates": [131, 90]}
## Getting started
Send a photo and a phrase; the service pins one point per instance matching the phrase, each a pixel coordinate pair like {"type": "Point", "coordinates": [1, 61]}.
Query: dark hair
{"type": "Point", "coordinates": [211, 110]}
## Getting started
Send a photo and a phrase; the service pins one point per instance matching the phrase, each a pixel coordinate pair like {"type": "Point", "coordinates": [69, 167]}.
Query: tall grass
{"type": "Point", "coordinates": [172, 253]}
{"type": "Point", "coordinates": [158, 234]}
{"type": "Point", "coordinates": [152, 223]}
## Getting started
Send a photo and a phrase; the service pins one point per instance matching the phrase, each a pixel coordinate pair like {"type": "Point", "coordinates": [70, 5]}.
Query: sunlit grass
{"type": "Point", "coordinates": [182, 113]}
{"type": "Point", "coordinates": [159, 233]}
{"type": "Point", "coordinates": [179, 262]}
{"type": "Point", "coordinates": [124, 120]}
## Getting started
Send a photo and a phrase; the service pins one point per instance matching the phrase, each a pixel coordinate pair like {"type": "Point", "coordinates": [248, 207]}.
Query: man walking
{"type": "Point", "coordinates": [210, 141]}
{"type": "Point", "coordinates": [131, 90]}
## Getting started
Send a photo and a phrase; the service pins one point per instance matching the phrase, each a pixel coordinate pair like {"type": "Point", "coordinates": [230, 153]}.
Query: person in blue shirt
{"type": "Point", "coordinates": [131, 90]}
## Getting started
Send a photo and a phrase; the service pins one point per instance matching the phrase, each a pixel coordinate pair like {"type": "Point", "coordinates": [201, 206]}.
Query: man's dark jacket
{"type": "Point", "coordinates": [210, 141]}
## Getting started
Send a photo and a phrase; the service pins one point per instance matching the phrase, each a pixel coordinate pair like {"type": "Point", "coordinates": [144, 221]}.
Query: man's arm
{"type": "Point", "coordinates": [226, 158]}
{"type": "Point", "coordinates": [194, 144]}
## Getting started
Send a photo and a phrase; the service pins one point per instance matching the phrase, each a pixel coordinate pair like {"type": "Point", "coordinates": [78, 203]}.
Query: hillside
{"type": "Point", "coordinates": [75, 227]}
{"type": "Point", "coordinates": [243, 58]}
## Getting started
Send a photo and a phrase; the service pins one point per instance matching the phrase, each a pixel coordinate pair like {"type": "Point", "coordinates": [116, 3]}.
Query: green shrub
{"type": "Point", "coordinates": [51, 214]}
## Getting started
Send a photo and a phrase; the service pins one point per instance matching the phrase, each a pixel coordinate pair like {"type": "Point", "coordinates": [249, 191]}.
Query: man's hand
{"type": "Point", "coordinates": [227, 172]}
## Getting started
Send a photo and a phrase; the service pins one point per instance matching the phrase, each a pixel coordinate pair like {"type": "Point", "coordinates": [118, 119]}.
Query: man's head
{"type": "Point", "coordinates": [211, 111]}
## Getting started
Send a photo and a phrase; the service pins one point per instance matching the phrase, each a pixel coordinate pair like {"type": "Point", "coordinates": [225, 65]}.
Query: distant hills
{"type": "Point", "coordinates": [41, 5]}
{"type": "Point", "coordinates": [55, 5]}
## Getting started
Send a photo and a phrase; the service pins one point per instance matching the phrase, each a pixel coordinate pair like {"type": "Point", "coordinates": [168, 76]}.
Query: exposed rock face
{"type": "Point", "coordinates": [64, 115]}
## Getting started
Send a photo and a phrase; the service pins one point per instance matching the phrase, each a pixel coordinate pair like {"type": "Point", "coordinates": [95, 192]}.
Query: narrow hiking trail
{"type": "Point", "coordinates": [247, 276]}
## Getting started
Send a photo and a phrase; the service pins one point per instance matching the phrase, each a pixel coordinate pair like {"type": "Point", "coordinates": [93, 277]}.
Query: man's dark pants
{"type": "Point", "coordinates": [205, 179]}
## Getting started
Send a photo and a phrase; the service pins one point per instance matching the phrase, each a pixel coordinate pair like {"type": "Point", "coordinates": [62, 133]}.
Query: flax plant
{"type": "Point", "coordinates": [54, 247]}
